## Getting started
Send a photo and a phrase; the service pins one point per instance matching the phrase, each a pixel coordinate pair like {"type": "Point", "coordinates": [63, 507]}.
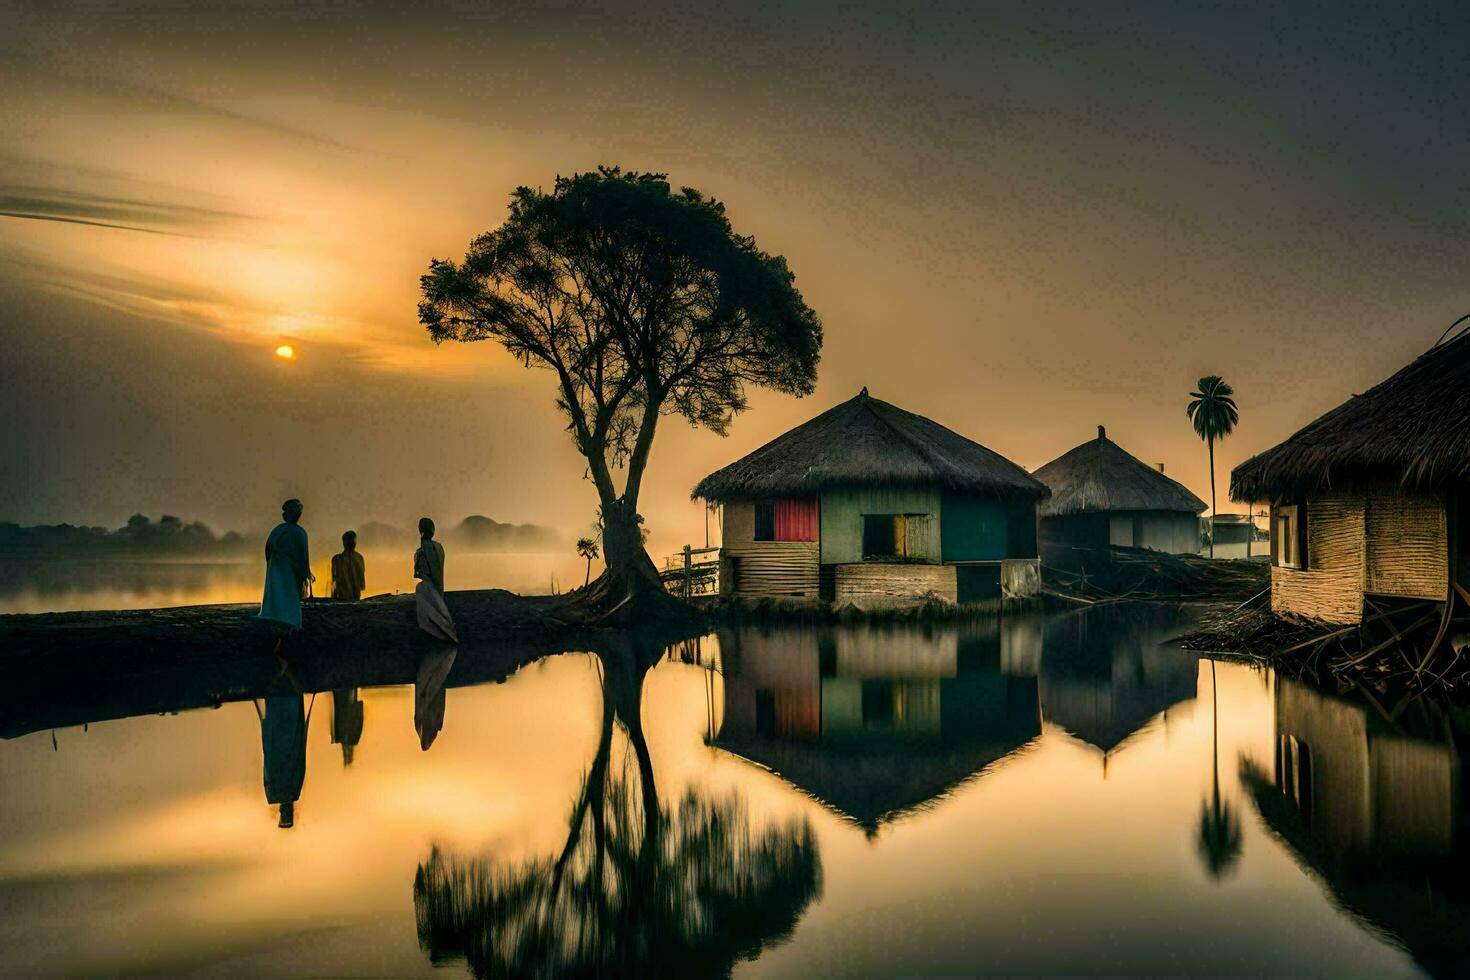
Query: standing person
{"type": "Point", "coordinates": [287, 568]}
{"type": "Point", "coordinates": [428, 568]}
{"type": "Point", "coordinates": [349, 577]}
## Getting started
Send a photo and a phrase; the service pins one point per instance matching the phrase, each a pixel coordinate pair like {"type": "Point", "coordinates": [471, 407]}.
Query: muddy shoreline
{"type": "Point", "coordinates": [68, 668]}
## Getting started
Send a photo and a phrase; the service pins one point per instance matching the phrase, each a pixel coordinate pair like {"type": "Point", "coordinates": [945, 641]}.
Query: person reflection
{"type": "Point", "coordinates": [346, 722]}
{"type": "Point", "coordinates": [429, 695]}
{"type": "Point", "coordinates": [283, 721]}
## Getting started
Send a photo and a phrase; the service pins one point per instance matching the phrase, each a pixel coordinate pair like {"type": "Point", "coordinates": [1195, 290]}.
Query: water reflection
{"type": "Point", "coordinates": [430, 693]}
{"type": "Point", "coordinates": [789, 802]}
{"type": "Point", "coordinates": [347, 718]}
{"type": "Point", "coordinates": [639, 888]}
{"type": "Point", "coordinates": [877, 723]}
{"type": "Point", "coordinates": [1219, 838]}
{"type": "Point", "coordinates": [1107, 672]}
{"type": "Point", "coordinates": [1374, 807]}
{"type": "Point", "coordinates": [874, 723]}
{"type": "Point", "coordinates": [283, 721]}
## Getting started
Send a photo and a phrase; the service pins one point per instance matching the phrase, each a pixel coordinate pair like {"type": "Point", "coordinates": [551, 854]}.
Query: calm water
{"type": "Point", "coordinates": [29, 585]}
{"type": "Point", "coordinates": [1058, 795]}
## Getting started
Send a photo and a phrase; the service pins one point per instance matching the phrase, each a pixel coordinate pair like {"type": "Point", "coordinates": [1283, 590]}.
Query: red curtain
{"type": "Point", "coordinates": [796, 520]}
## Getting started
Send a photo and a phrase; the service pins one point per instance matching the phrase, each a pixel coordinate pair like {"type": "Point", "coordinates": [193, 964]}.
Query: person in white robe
{"type": "Point", "coordinates": [287, 568]}
{"type": "Point", "coordinates": [428, 568]}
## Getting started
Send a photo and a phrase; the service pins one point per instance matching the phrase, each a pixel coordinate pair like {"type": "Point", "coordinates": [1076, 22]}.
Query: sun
{"type": "Point", "coordinates": [286, 352]}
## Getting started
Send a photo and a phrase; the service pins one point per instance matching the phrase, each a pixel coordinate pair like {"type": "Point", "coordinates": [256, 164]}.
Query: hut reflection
{"type": "Point", "coordinates": [641, 887]}
{"type": "Point", "coordinates": [875, 723]}
{"type": "Point", "coordinates": [1375, 809]}
{"type": "Point", "coordinates": [1107, 672]}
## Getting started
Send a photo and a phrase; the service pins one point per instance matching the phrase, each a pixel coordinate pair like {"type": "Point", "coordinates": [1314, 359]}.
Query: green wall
{"type": "Point", "coordinates": [974, 528]}
{"type": "Point", "coordinates": [843, 510]}
{"type": "Point", "coordinates": [968, 527]}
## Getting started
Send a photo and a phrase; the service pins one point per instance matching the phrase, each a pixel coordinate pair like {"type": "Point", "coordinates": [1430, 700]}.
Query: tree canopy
{"type": "Point", "coordinates": [643, 301]}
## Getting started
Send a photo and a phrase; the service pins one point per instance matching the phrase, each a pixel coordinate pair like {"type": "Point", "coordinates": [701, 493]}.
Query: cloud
{"type": "Point", "coordinates": [130, 214]}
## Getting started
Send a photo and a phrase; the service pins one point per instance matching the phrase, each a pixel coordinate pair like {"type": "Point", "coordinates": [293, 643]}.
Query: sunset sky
{"type": "Point", "coordinates": [1022, 222]}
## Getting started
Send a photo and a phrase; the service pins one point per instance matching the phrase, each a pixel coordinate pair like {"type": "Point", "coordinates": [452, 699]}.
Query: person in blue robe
{"type": "Point", "coordinates": [287, 569]}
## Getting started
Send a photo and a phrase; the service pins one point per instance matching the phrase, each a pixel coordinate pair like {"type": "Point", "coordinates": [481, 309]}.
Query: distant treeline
{"type": "Point", "coordinates": [171, 536]}
{"type": "Point", "coordinates": [168, 535]}
{"type": "Point", "coordinates": [473, 534]}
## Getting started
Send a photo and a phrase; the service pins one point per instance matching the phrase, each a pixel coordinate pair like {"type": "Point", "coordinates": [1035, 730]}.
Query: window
{"type": "Point", "coordinates": [765, 521]}
{"type": "Point", "coordinates": [897, 535]}
{"type": "Point", "coordinates": [786, 520]}
{"type": "Point", "coordinates": [1289, 535]}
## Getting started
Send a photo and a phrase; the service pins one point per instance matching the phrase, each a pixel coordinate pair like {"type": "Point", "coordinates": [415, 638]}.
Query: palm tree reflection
{"type": "Point", "coordinates": [1219, 839]}
{"type": "Point", "coordinates": [639, 889]}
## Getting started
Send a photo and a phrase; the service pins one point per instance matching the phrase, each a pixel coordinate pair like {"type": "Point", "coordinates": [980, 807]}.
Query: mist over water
{"type": "Point", "coordinates": [34, 585]}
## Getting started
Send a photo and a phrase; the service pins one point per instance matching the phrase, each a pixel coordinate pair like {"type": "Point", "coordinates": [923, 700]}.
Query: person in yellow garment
{"type": "Point", "coordinates": [287, 569]}
{"type": "Point", "coordinates": [349, 578]}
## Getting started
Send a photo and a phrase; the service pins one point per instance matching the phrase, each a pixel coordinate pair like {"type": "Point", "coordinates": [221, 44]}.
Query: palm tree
{"type": "Point", "coordinates": [587, 548]}
{"type": "Point", "coordinates": [1214, 415]}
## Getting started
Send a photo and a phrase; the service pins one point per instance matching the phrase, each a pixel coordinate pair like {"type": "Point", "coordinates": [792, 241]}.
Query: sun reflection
{"type": "Point", "coordinates": [286, 352]}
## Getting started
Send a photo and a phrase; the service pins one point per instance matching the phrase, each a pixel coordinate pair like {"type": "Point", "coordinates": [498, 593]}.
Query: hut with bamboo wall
{"type": "Point", "coordinates": [873, 506]}
{"type": "Point", "coordinates": [1103, 496]}
{"type": "Point", "coordinates": [1370, 500]}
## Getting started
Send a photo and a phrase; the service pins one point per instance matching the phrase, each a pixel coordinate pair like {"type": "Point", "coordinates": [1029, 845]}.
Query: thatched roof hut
{"type": "Point", "coordinates": [867, 441]}
{"type": "Point", "coordinates": [1409, 430]}
{"type": "Point", "coordinates": [871, 506]}
{"type": "Point", "coordinates": [1102, 496]}
{"type": "Point", "coordinates": [1100, 476]}
{"type": "Point", "coordinates": [1366, 500]}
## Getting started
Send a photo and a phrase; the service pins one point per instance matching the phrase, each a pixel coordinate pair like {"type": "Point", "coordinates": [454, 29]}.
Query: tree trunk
{"type": "Point", "coordinates": [622, 547]}
{"type": "Point", "coordinates": [1211, 441]}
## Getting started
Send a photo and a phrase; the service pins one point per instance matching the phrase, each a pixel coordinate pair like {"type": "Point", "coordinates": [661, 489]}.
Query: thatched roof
{"type": "Point", "coordinates": [1410, 430]}
{"type": "Point", "coordinates": [867, 441]}
{"type": "Point", "coordinates": [1100, 476]}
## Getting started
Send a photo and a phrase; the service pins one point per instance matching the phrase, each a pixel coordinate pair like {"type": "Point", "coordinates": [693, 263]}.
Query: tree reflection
{"type": "Point", "coordinates": [1219, 839]}
{"type": "Point", "coordinates": [639, 888]}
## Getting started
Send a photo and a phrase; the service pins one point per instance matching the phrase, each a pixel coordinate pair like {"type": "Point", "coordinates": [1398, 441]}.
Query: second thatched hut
{"type": "Point", "coordinates": [1102, 496]}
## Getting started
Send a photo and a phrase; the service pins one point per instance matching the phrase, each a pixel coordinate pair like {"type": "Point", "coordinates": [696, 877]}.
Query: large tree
{"type": "Point", "coordinates": [644, 302]}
